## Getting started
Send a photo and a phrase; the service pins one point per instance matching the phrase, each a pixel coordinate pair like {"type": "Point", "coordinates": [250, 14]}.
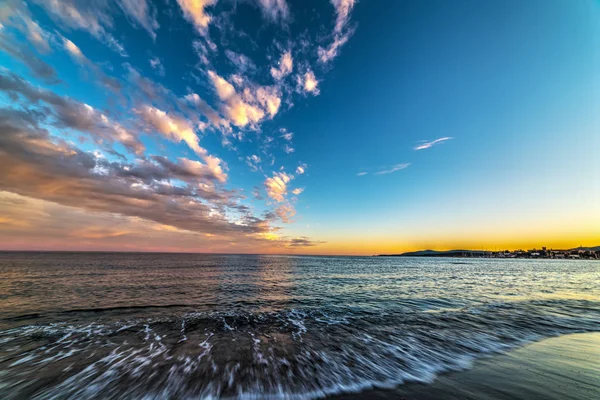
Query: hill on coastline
{"type": "Point", "coordinates": [463, 253]}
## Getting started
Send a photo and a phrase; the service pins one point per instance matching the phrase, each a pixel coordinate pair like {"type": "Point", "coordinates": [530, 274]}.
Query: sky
{"type": "Point", "coordinates": [299, 127]}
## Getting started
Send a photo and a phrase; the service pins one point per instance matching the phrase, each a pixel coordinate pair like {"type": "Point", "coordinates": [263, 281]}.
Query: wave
{"type": "Point", "coordinates": [298, 353]}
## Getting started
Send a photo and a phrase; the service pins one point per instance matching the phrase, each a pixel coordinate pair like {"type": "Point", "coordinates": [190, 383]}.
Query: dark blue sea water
{"type": "Point", "coordinates": [144, 326]}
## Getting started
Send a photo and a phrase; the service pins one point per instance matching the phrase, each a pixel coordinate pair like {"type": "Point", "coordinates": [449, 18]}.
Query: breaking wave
{"type": "Point", "coordinates": [298, 353]}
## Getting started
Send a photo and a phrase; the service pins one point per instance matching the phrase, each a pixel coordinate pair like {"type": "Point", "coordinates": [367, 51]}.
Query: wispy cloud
{"type": "Point", "coordinates": [425, 145]}
{"type": "Point", "coordinates": [394, 168]}
{"type": "Point", "coordinates": [156, 65]}
{"type": "Point", "coordinates": [362, 174]}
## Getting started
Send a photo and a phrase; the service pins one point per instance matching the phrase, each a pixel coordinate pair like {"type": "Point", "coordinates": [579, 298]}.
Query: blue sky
{"type": "Point", "coordinates": [291, 126]}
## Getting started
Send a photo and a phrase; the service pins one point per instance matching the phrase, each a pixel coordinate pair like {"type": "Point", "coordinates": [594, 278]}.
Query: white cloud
{"type": "Point", "coordinates": [426, 145]}
{"type": "Point", "coordinates": [394, 168]}
{"type": "Point", "coordinates": [275, 9]}
{"type": "Point", "coordinates": [300, 169]}
{"type": "Point", "coordinates": [298, 191]}
{"type": "Point", "coordinates": [286, 65]}
{"type": "Point", "coordinates": [156, 65]}
{"type": "Point", "coordinates": [276, 186]}
{"type": "Point", "coordinates": [310, 83]}
{"type": "Point", "coordinates": [361, 173]}
{"type": "Point", "coordinates": [195, 12]}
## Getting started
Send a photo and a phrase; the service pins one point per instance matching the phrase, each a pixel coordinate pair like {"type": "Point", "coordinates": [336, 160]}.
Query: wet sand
{"type": "Point", "coordinates": [561, 368]}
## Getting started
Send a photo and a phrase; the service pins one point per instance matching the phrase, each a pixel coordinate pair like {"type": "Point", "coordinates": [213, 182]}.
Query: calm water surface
{"type": "Point", "coordinates": [109, 325]}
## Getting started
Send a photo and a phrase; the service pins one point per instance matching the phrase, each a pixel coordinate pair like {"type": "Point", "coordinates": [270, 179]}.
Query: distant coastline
{"type": "Point", "coordinates": [578, 253]}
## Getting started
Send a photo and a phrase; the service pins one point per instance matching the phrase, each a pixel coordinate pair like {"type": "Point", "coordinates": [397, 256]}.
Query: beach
{"type": "Point", "coordinates": [561, 368]}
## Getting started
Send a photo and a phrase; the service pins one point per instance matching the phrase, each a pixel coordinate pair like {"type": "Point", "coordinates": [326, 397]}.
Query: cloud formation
{"type": "Point", "coordinates": [110, 147]}
{"type": "Point", "coordinates": [36, 66]}
{"type": "Point", "coordinates": [276, 186]}
{"type": "Point", "coordinates": [68, 113]}
{"type": "Point", "coordinates": [248, 108]}
{"type": "Point", "coordinates": [285, 67]}
{"type": "Point", "coordinates": [310, 84]}
{"type": "Point", "coordinates": [36, 165]}
{"type": "Point", "coordinates": [426, 145]}
{"type": "Point", "coordinates": [392, 169]}
{"type": "Point", "coordinates": [341, 33]}
{"type": "Point", "coordinates": [275, 9]}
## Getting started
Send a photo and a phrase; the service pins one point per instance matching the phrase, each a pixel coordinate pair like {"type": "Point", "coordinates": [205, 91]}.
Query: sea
{"type": "Point", "coordinates": [199, 326]}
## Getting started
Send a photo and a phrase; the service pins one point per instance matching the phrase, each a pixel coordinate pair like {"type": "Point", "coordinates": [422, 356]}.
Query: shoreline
{"type": "Point", "coordinates": [563, 367]}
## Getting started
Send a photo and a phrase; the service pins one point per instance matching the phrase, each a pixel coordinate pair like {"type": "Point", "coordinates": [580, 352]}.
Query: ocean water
{"type": "Point", "coordinates": [145, 326]}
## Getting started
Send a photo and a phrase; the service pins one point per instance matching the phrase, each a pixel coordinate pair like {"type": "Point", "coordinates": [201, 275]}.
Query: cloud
{"type": "Point", "coordinates": [16, 14]}
{"type": "Point", "coordinates": [394, 168]}
{"type": "Point", "coordinates": [206, 110]}
{"type": "Point", "coordinates": [309, 83]}
{"type": "Point", "coordinates": [285, 134]}
{"type": "Point", "coordinates": [298, 191]}
{"type": "Point", "coordinates": [303, 241]}
{"type": "Point", "coordinates": [301, 169]}
{"type": "Point", "coordinates": [276, 186]}
{"type": "Point", "coordinates": [240, 61]}
{"type": "Point", "coordinates": [74, 51]}
{"type": "Point", "coordinates": [341, 34]}
{"type": "Point", "coordinates": [77, 55]}
{"type": "Point", "coordinates": [286, 65]}
{"type": "Point", "coordinates": [330, 52]}
{"type": "Point", "coordinates": [36, 66]}
{"type": "Point", "coordinates": [195, 12]}
{"type": "Point", "coordinates": [186, 168]}
{"type": "Point", "coordinates": [248, 108]}
{"type": "Point", "coordinates": [253, 162]}
{"type": "Point", "coordinates": [343, 9]}
{"type": "Point", "coordinates": [285, 212]}
{"type": "Point", "coordinates": [269, 98]}
{"type": "Point", "coordinates": [68, 113]}
{"type": "Point", "coordinates": [274, 9]}
{"type": "Point", "coordinates": [40, 166]}
{"type": "Point", "coordinates": [256, 193]}
{"type": "Point", "coordinates": [156, 65]}
{"type": "Point", "coordinates": [143, 13]}
{"type": "Point", "coordinates": [171, 126]}
{"type": "Point", "coordinates": [91, 16]}
{"type": "Point", "coordinates": [362, 174]}
{"type": "Point", "coordinates": [426, 145]}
